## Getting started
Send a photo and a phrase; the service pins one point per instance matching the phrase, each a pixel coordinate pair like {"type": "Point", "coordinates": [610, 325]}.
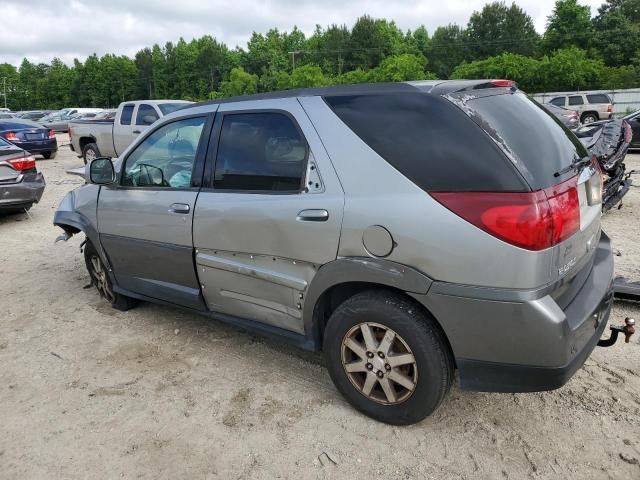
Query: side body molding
{"type": "Point", "coordinates": [361, 269]}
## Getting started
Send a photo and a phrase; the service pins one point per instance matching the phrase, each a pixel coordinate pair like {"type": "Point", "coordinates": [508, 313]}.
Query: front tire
{"type": "Point", "coordinates": [387, 357]}
{"type": "Point", "coordinates": [90, 152]}
{"type": "Point", "coordinates": [101, 280]}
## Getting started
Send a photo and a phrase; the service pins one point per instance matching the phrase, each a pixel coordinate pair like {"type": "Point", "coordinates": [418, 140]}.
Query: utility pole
{"type": "Point", "coordinates": [293, 59]}
{"type": "Point", "coordinates": [4, 90]}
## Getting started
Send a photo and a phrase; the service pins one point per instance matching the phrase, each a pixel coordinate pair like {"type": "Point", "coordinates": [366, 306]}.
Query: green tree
{"type": "Point", "coordinates": [498, 28]}
{"type": "Point", "coordinates": [401, 68]}
{"type": "Point", "coordinates": [617, 31]}
{"type": "Point", "coordinates": [447, 49]}
{"type": "Point", "coordinates": [568, 25]}
{"type": "Point", "coordinates": [371, 41]}
{"type": "Point", "coordinates": [239, 83]}
{"type": "Point", "coordinates": [511, 66]}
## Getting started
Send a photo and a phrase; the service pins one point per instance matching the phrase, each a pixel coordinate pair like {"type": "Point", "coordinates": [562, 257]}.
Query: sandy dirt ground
{"type": "Point", "coordinates": [90, 392]}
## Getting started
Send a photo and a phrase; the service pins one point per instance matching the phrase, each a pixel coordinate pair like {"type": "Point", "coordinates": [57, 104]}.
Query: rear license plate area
{"type": "Point", "coordinates": [34, 136]}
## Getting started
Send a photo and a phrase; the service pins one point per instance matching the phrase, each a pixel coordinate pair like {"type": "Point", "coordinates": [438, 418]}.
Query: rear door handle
{"type": "Point", "coordinates": [136, 132]}
{"type": "Point", "coordinates": [179, 208]}
{"type": "Point", "coordinates": [315, 215]}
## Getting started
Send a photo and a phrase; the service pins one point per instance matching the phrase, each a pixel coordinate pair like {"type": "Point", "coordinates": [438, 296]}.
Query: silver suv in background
{"type": "Point", "coordinates": [590, 106]}
{"type": "Point", "coordinates": [407, 230]}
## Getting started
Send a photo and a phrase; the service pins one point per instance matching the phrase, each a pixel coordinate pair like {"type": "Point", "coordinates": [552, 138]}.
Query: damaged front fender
{"type": "Point", "coordinates": [77, 213]}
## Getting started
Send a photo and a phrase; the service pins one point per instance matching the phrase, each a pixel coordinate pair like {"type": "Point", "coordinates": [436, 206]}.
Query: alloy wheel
{"type": "Point", "coordinates": [379, 363]}
{"type": "Point", "coordinates": [100, 279]}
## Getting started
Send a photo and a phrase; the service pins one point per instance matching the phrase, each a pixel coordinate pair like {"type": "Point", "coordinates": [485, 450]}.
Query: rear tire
{"type": "Point", "coordinates": [101, 280]}
{"type": "Point", "coordinates": [398, 381]}
{"type": "Point", "coordinates": [49, 155]}
{"type": "Point", "coordinates": [589, 118]}
{"type": "Point", "coordinates": [90, 152]}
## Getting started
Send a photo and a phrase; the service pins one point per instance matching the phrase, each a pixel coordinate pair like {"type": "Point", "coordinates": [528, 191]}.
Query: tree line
{"type": "Point", "coordinates": [576, 51]}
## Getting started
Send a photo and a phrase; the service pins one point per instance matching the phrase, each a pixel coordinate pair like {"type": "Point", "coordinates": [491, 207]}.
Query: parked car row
{"type": "Point", "coordinates": [21, 185]}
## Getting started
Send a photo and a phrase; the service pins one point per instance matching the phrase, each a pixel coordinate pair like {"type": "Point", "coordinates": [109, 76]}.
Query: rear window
{"type": "Point", "coordinates": [533, 138]}
{"type": "Point", "coordinates": [167, 108]}
{"type": "Point", "coordinates": [576, 100]}
{"type": "Point", "coordinates": [428, 140]}
{"type": "Point", "coordinates": [598, 98]}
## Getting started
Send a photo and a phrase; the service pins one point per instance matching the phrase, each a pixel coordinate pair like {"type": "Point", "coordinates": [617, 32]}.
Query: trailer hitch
{"type": "Point", "coordinates": [628, 330]}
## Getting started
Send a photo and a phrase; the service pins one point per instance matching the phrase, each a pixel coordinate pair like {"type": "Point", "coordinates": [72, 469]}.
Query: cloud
{"type": "Point", "coordinates": [40, 30]}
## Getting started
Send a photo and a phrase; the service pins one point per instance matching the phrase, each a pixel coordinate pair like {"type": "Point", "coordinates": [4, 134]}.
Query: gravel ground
{"type": "Point", "coordinates": [90, 392]}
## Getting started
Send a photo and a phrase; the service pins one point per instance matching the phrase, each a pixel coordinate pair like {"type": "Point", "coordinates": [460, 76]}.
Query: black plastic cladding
{"type": "Point", "coordinates": [429, 140]}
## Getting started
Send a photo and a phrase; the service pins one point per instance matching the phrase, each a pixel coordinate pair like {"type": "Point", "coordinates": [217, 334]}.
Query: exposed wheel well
{"type": "Point", "coordinates": [331, 299]}
{"type": "Point", "coordinates": [84, 141]}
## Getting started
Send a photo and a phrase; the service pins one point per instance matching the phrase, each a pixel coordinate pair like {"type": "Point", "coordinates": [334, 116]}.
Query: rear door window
{"type": "Point", "coordinates": [576, 100]}
{"type": "Point", "coordinates": [262, 151]}
{"type": "Point", "coordinates": [146, 114]}
{"type": "Point", "coordinates": [558, 101]}
{"type": "Point", "coordinates": [127, 113]}
{"type": "Point", "coordinates": [533, 138]}
{"type": "Point", "coordinates": [598, 98]}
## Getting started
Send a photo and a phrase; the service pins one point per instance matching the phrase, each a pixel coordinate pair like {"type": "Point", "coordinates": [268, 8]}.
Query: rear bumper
{"type": "Point", "coordinates": [28, 191]}
{"type": "Point", "coordinates": [40, 146]}
{"type": "Point", "coordinates": [531, 345]}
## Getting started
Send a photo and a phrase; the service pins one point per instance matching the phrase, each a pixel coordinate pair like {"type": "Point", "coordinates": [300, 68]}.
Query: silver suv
{"type": "Point", "coordinates": [590, 106]}
{"type": "Point", "coordinates": [407, 230]}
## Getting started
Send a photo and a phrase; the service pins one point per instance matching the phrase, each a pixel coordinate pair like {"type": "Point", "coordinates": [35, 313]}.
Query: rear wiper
{"type": "Point", "coordinates": [574, 165]}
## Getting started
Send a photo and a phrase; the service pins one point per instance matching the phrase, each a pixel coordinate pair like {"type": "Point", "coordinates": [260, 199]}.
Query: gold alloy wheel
{"type": "Point", "coordinates": [100, 279]}
{"type": "Point", "coordinates": [379, 363]}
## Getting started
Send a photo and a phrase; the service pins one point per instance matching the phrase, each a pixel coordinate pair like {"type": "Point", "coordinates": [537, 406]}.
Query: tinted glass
{"type": "Point", "coordinates": [167, 108]}
{"type": "Point", "coordinates": [558, 101]}
{"type": "Point", "coordinates": [127, 113]}
{"type": "Point", "coordinates": [632, 115]}
{"type": "Point", "coordinates": [533, 138]}
{"type": "Point", "coordinates": [166, 157]}
{"type": "Point", "coordinates": [18, 124]}
{"type": "Point", "coordinates": [576, 100]}
{"type": "Point", "coordinates": [428, 140]}
{"type": "Point", "coordinates": [598, 98]}
{"type": "Point", "coordinates": [145, 110]}
{"type": "Point", "coordinates": [260, 152]}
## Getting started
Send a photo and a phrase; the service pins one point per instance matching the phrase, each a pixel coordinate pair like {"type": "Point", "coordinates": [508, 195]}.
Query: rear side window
{"type": "Point", "coordinates": [598, 98]}
{"type": "Point", "coordinates": [146, 114]}
{"type": "Point", "coordinates": [429, 141]}
{"type": "Point", "coordinates": [260, 152]}
{"type": "Point", "coordinates": [127, 113]}
{"type": "Point", "coordinates": [558, 101]}
{"type": "Point", "coordinates": [533, 138]}
{"type": "Point", "coordinates": [576, 100]}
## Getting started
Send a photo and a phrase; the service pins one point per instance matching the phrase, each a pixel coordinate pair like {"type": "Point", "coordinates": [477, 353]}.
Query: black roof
{"type": "Point", "coordinates": [436, 87]}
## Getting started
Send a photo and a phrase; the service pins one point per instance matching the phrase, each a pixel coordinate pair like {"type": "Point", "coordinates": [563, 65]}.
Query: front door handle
{"type": "Point", "coordinates": [315, 215]}
{"type": "Point", "coordinates": [179, 208]}
{"type": "Point", "coordinates": [136, 132]}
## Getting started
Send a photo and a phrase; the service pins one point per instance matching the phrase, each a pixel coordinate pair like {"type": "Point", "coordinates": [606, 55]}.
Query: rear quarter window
{"type": "Point", "coordinates": [598, 98]}
{"type": "Point", "coordinates": [428, 140]}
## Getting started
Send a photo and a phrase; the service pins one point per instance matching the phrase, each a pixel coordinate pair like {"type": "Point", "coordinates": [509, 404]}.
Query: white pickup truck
{"type": "Point", "coordinates": [110, 137]}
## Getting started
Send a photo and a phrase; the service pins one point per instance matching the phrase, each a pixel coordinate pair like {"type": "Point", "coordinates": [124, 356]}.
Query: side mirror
{"type": "Point", "coordinates": [101, 171]}
{"type": "Point", "coordinates": [149, 119]}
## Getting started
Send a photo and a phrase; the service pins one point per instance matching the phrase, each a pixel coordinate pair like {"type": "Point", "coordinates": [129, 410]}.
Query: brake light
{"type": "Point", "coordinates": [628, 133]}
{"type": "Point", "coordinates": [11, 136]}
{"type": "Point", "coordinates": [533, 220]}
{"type": "Point", "coordinates": [52, 134]}
{"type": "Point", "coordinates": [503, 83]}
{"type": "Point", "coordinates": [23, 163]}
{"type": "Point", "coordinates": [69, 132]}
{"type": "Point", "coordinates": [610, 109]}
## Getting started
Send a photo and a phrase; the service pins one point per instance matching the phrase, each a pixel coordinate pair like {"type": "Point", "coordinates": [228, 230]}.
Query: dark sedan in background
{"type": "Point", "coordinates": [634, 123]}
{"type": "Point", "coordinates": [30, 136]}
{"type": "Point", "coordinates": [21, 185]}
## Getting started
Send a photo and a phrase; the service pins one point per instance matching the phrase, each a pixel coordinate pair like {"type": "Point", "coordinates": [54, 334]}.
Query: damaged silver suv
{"type": "Point", "coordinates": [408, 230]}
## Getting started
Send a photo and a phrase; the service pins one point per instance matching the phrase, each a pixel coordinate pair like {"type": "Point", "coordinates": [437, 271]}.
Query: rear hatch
{"type": "Point", "coordinates": [552, 161]}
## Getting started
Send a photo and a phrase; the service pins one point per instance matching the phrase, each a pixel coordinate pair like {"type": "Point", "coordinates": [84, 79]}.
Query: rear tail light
{"type": "Point", "coordinates": [52, 134]}
{"type": "Point", "coordinates": [69, 132]}
{"type": "Point", "coordinates": [533, 220]}
{"type": "Point", "coordinates": [610, 109]}
{"type": "Point", "coordinates": [11, 136]}
{"type": "Point", "coordinates": [628, 133]}
{"type": "Point", "coordinates": [23, 163]}
{"type": "Point", "coordinates": [503, 83]}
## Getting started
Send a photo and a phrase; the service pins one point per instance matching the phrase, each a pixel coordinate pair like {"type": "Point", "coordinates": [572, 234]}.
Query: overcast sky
{"type": "Point", "coordinates": [43, 29]}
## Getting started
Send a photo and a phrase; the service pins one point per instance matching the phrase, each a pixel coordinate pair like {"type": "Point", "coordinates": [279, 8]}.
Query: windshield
{"type": "Point", "coordinates": [631, 115]}
{"type": "Point", "coordinates": [531, 137]}
{"type": "Point", "coordinates": [167, 108]}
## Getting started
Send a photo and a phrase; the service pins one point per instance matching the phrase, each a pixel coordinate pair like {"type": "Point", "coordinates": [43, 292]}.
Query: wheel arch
{"type": "Point", "coordinates": [86, 140]}
{"type": "Point", "coordinates": [339, 280]}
